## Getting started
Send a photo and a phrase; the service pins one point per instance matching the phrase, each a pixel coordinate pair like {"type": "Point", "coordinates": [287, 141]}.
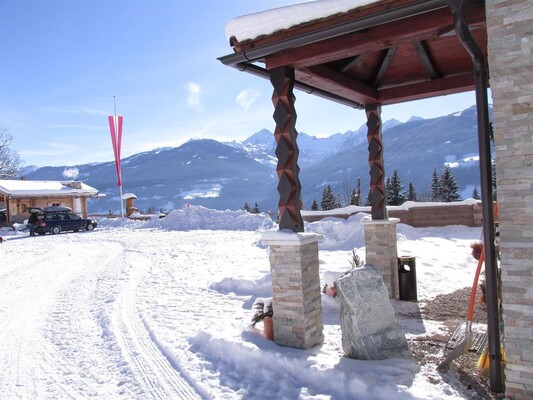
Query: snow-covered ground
{"type": "Point", "coordinates": [161, 310]}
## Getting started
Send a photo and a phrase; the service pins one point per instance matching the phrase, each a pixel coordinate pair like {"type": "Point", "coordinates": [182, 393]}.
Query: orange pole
{"type": "Point", "coordinates": [472, 302]}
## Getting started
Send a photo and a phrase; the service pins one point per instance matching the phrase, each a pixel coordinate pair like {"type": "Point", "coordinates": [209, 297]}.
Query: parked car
{"type": "Point", "coordinates": [57, 219]}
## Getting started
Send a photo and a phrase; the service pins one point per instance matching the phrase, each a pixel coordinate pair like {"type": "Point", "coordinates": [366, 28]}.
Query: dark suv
{"type": "Point", "coordinates": [56, 219]}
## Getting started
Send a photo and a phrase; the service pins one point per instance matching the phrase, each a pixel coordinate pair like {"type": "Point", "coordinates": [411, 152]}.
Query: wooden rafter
{"type": "Point", "coordinates": [334, 82]}
{"type": "Point", "coordinates": [436, 87]}
{"type": "Point", "coordinates": [426, 60]}
{"type": "Point", "coordinates": [350, 63]}
{"type": "Point", "coordinates": [384, 66]}
{"type": "Point", "coordinates": [326, 78]}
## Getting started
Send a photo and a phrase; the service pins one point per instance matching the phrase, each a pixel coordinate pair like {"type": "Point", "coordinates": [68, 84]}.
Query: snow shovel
{"type": "Point", "coordinates": [464, 346]}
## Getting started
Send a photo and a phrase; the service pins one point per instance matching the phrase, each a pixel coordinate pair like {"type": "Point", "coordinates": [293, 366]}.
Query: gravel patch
{"type": "Point", "coordinates": [451, 309]}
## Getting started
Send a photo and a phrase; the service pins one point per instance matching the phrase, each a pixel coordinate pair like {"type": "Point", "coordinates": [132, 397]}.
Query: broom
{"type": "Point", "coordinates": [464, 346]}
{"type": "Point", "coordinates": [484, 359]}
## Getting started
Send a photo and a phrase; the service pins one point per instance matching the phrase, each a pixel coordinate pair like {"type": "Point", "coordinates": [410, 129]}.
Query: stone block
{"type": "Point", "coordinates": [369, 329]}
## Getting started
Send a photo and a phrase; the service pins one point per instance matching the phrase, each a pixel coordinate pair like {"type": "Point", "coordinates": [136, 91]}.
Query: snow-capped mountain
{"type": "Point", "coordinates": [262, 145]}
{"type": "Point", "coordinates": [226, 175]}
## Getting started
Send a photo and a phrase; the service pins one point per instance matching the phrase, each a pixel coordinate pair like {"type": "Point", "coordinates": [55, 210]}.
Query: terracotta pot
{"type": "Point", "coordinates": [268, 328]}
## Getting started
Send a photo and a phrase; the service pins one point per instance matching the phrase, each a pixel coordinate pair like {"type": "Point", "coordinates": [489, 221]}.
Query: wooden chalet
{"type": "Point", "coordinates": [17, 196]}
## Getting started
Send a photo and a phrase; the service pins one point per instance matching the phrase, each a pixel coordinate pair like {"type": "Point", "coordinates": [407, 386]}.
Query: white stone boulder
{"type": "Point", "coordinates": [369, 329]}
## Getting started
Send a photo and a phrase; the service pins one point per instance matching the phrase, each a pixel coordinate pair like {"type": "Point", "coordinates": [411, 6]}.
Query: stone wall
{"type": "Point", "coordinates": [442, 215]}
{"type": "Point", "coordinates": [510, 31]}
{"type": "Point", "coordinates": [418, 216]}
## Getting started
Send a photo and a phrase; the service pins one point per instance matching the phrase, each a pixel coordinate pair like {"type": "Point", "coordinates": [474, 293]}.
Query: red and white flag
{"type": "Point", "coordinates": [115, 126]}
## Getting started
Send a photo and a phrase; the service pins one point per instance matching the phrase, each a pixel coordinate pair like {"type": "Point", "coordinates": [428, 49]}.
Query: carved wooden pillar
{"type": "Point", "coordinates": [282, 79]}
{"type": "Point", "coordinates": [375, 161]}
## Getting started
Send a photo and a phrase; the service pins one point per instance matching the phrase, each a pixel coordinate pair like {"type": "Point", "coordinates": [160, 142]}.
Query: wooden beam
{"type": "Point", "coordinates": [335, 82]}
{"type": "Point", "coordinates": [363, 94]}
{"type": "Point", "coordinates": [350, 63]}
{"type": "Point", "coordinates": [384, 66]}
{"type": "Point", "coordinates": [416, 28]}
{"type": "Point", "coordinates": [426, 60]}
{"type": "Point", "coordinates": [421, 90]}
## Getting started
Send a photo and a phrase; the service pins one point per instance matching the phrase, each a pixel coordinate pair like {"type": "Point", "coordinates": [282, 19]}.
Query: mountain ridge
{"type": "Point", "coordinates": [226, 175]}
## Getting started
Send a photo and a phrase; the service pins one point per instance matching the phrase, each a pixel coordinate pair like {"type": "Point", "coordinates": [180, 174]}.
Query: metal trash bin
{"type": "Point", "coordinates": [407, 278]}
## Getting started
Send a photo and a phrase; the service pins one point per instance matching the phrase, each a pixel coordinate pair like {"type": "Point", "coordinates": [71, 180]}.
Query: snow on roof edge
{"type": "Point", "coordinates": [251, 26]}
{"type": "Point", "coordinates": [40, 188]}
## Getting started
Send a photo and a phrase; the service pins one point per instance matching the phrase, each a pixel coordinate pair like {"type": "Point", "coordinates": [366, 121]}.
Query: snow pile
{"type": "Point", "coordinates": [198, 217]}
{"type": "Point", "coordinates": [339, 234]}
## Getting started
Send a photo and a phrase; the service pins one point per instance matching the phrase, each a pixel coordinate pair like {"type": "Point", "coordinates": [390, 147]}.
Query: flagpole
{"type": "Point", "coordinates": [120, 185]}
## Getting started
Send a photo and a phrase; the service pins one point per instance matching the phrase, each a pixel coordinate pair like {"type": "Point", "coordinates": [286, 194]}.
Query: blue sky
{"type": "Point", "coordinates": [64, 60]}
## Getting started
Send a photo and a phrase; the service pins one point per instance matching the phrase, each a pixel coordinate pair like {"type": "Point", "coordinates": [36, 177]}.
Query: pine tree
{"type": "Point", "coordinates": [475, 193]}
{"type": "Point", "coordinates": [359, 191]}
{"type": "Point", "coordinates": [256, 209]}
{"type": "Point", "coordinates": [434, 187]}
{"type": "Point", "coordinates": [411, 193]}
{"type": "Point", "coordinates": [395, 195]}
{"type": "Point", "coordinates": [387, 190]}
{"type": "Point", "coordinates": [328, 199]}
{"type": "Point", "coordinates": [314, 205]}
{"type": "Point", "coordinates": [338, 201]}
{"type": "Point", "coordinates": [368, 200]}
{"type": "Point", "coordinates": [449, 191]}
{"type": "Point", "coordinates": [246, 207]}
{"type": "Point", "coordinates": [354, 198]}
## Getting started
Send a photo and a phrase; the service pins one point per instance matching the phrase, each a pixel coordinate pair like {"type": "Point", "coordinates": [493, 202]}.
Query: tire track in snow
{"type": "Point", "coordinates": [71, 329]}
{"type": "Point", "coordinates": [87, 363]}
{"type": "Point", "coordinates": [26, 356]}
{"type": "Point", "coordinates": [144, 354]}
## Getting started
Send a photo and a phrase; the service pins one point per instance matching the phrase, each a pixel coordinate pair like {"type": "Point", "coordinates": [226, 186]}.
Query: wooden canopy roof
{"type": "Point", "coordinates": [386, 52]}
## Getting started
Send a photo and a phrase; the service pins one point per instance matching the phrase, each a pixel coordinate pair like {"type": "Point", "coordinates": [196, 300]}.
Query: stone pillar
{"type": "Point", "coordinates": [296, 298]}
{"type": "Point", "coordinates": [510, 49]}
{"type": "Point", "coordinates": [381, 251]}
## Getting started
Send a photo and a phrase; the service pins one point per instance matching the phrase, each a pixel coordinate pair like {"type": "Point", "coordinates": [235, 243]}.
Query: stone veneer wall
{"type": "Point", "coordinates": [510, 32]}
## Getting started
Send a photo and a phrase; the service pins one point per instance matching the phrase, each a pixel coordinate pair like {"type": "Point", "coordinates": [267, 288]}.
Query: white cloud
{"type": "Point", "coordinates": [71, 173]}
{"type": "Point", "coordinates": [77, 110]}
{"type": "Point", "coordinates": [193, 99]}
{"type": "Point", "coordinates": [73, 126]}
{"type": "Point", "coordinates": [51, 149]}
{"type": "Point", "coordinates": [247, 97]}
